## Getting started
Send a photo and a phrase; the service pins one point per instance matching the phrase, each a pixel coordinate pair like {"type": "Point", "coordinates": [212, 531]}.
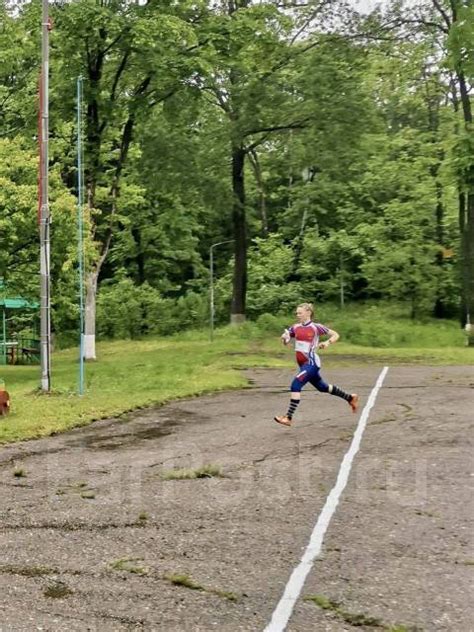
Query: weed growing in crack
{"type": "Point", "coordinates": [206, 471]}
{"type": "Point", "coordinates": [130, 565]}
{"type": "Point", "coordinates": [357, 619]}
{"type": "Point", "coordinates": [26, 571]}
{"type": "Point", "coordinates": [183, 580]}
{"type": "Point", "coordinates": [88, 494]}
{"type": "Point", "coordinates": [188, 582]}
{"type": "Point", "coordinates": [58, 590]}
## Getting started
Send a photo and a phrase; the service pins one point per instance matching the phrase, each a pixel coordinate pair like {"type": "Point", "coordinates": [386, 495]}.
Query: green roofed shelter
{"type": "Point", "coordinates": [24, 349]}
{"type": "Point", "coordinates": [17, 303]}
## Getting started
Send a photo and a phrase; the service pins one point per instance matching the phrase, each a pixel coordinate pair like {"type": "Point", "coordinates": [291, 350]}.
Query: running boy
{"type": "Point", "coordinates": [306, 335]}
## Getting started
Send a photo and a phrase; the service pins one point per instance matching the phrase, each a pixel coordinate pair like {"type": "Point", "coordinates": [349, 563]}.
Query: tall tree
{"type": "Point", "coordinates": [19, 226]}
{"type": "Point", "coordinates": [256, 51]}
{"type": "Point", "coordinates": [132, 58]}
{"type": "Point", "coordinates": [460, 32]}
{"type": "Point", "coordinates": [451, 21]}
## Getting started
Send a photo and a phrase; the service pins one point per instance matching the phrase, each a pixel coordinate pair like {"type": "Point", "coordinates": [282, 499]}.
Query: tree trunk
{"type": "Point", "coordinates": [467, 242]}
{"type": "Point", "coordinates": [294, 275]}
{"type": "Point", "coordinates": [466, 209]}
{"type": "Point", "coordinates": [298, 249]}
{"type": "Point", "coordinates": [439, 310]}
{"type": "Point", "coordinates": [240, 235]}
{"type": "Point", "coordinates": [466, 224]}
{"type": "Point", "coordinates": [253, 157]}
{"type": "Point", "coordinates": [433, 104]}
{"type": "Point", "coordinates": [90, 310]}
{"type": "Point", "coordinates": [139, 256]}
{"type": "Point", "coordinates": [239, 289]}
{"type": "Point", "coordinates": [462, 223]}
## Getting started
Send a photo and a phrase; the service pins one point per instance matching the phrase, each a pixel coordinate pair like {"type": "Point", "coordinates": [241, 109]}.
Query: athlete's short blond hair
{"type": "Point", "coordinates": [308, 306]}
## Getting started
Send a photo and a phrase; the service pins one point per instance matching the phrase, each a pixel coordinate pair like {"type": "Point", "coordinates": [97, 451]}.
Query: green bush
{"type": "Point", "coordinates": [191, 311]}
{"type": "Point", "coordinates": [389, 325]}
{"type": "Point", "coordinates": [380, 324]}
{"type": "Point", "coordinates": [270, 324]}
{"type": "Point", "coordinates": [125, 310]}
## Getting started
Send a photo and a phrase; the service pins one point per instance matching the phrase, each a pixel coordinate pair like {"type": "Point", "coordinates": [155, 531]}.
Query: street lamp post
{"type": "Point", "coordinates": [211, 275]}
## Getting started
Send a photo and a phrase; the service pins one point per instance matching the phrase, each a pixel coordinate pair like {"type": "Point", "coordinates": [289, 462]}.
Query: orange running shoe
{"type": "Point", "coordinates": [283, 420]}
{"type": "Point", "coordinates": [354, 402]}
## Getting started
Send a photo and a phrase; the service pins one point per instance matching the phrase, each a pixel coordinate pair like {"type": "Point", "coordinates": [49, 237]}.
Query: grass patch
{"type": "Point", "coordinates": [183, 580]}
{"type": "Point", "coordinates": [58, 590]}
{"type": "Point", "coordinates": [26, 571]}
{"type": "Point", "coordinates": [347, 355]}
{"type": "Point", "coordinates": [404, 628]}
{"type": "Point", "coordinates": [180, 474]}
{"type": "Point", "coordinates": [127, 376]}
{"type": "Point", "coordinates": [357, 619]}
{"type": "Point", "coordinates": [188, 582]}
{"type": "Point", "coordinates": [132, 565]}
{"type": "Point", "coordinates": [323, 602]}
{"type": "Point", "coordinates": [134, 374]}
{"type": "Point", "coordinates": [19, 472]}
{"type": "Point", "coordinates": [88, 494]}
{"type": "Point", "coordinates": [225, 594]}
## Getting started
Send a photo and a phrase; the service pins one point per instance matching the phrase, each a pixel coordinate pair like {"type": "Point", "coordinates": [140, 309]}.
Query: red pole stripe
{"type": "Point", "coordinates": [40, 140]}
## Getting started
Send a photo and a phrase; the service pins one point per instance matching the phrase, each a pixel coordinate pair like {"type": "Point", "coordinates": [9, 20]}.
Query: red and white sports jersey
{"type": "Point", "coordinates": [306, 337]}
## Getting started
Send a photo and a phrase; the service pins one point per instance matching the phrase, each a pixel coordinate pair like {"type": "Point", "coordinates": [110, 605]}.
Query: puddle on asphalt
{"type": "Point", "coordinates": [104, 440]}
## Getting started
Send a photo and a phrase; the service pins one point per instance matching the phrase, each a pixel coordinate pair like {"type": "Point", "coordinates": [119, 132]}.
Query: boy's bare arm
{"type": "Point", "coordinates": [333, 337]}
{"type": "Point", "coordinates": [285, 337]}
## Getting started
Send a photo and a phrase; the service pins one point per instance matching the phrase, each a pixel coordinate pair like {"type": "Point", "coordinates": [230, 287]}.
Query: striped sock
{"type": "Point", "coordinates": [335, 390]}
{"type": "Point", "coordinates": [292, 408]}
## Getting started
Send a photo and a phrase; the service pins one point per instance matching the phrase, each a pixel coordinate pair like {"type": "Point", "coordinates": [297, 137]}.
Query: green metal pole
{"type": "Point", "coordinates": [80, 235]}
{"type": "Point", "coordinates": [4, 331]}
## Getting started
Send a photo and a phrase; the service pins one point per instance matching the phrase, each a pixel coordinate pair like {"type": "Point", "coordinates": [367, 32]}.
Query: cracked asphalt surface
{"type": "Point", "coordinates": [91, 534]}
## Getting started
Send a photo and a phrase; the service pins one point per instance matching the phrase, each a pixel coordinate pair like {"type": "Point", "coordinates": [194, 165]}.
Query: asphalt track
{"type": "Point", "coordinates": [91, 535]}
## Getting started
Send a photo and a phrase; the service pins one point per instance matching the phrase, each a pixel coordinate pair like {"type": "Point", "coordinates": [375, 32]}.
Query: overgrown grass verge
{"type": "Point", "coordinates": [127, 375]}
{"type": "Point", "coordinates": [135, 374]}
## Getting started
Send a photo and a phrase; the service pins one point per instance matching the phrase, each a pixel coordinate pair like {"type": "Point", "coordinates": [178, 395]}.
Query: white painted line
{"type": "Point", "coordinates": [282, 612]}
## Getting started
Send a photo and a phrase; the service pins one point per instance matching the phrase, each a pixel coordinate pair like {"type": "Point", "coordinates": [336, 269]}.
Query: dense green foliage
{"type": "Point", "coordinates": [334, 149]}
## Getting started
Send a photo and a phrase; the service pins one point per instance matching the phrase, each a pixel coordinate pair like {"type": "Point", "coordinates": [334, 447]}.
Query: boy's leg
{"type": "Point", "coordinates": [298, 382]}
{"type": "Point", "coordinates": [351, 398]}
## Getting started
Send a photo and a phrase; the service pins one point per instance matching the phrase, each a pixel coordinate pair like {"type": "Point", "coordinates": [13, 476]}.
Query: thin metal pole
{"type": "Point", "coordinates": [80, 234]}
{"type": "Point", "coordinates": [211, 272]}
{"type": "Point", "coordinates": [4, 334]}
{"type": "Point", "coordinates": [211, 275]}
{"type": "Point", "coordinates": [341, 269]}
{"type": "Point", "coordinates": [45, 306]}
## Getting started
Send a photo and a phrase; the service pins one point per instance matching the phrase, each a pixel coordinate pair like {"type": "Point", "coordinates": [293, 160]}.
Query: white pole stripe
{"type": "Point", "coordinates": [284, 609]}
